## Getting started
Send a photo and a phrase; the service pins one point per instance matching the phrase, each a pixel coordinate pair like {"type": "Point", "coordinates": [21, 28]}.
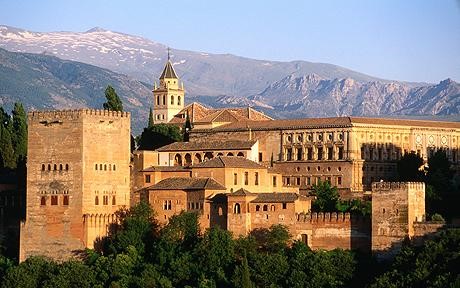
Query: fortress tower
{"type": "Point", "coordinates": [77, 177]}
{"type": "Point", "coordinates": [396, 206]}
{"type": "Point", "coordinates": [168, 98]}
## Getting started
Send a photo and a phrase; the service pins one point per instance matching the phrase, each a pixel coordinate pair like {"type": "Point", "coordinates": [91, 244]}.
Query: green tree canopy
{"type": "Point", "coordinates": [7, 155]}
{"type": "Point", "coordinates": [150, 124]}
{"type": "Point", "coordinates": [113, 101]}
{"type": "Point", "coordinates": [327, 197]}
{"type": "Point", "coordinates": [20, 132]}
{"type": "Point", "coordinates": [159, 135]}
{"type": "Point", "coordinates": [409, 167]}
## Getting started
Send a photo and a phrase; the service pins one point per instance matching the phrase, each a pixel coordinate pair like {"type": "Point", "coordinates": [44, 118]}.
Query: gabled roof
{"type": "Point", "coordinates": [187, 183]}
{"type": "Point", "coordinates": [208, 145]}
{"type": "Point", "coordinates": [241, 192]}
{"type": "Point", "coordinates": [169, 71]}
{"type": "Point", "coordinates": [229, 162]}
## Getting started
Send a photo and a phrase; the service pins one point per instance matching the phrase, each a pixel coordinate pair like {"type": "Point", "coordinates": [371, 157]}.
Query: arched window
{"type": "Point", "coordinates": [43, 167]}
{"type": "Point", "coordinates": [220, 154]}
{"type": "Point", "coordinates": [237, 208]}
{"type": "Point", "coordinates": [100, 167]}
{"type": "Point", "coordinates": [178, 160]}
{"type": "Point", "coordinates": [43, 200]}
{"type": "Point", "coordinates": [114, 200]}
{"type": "Point", "coordinates": [164, 99]}
{"type": "Point", "coordinates": [105, 167]}
{"type": "Point", "coordinates": [110, 167]}
{"type": "Point", "coordinates": [257, 207]}
{"type": "Point", "coordinates": [95, 167]}
{"type": "Point", "coordinates": [114, 168]}
{"type": "Point", "coordinates": [158, 99]}
{"type": "Point", "coordinates": [172, 100]}
{"type": "Point", "coordinates": [65, 200]}
{"type": "Point", "coordinates": [55, 167]}
{"type": "Point", "coordinates": [188, 159]}
{"type": "Point", "coordinates": [265, 208]}
{"type": "Point", "coordinates": [60, 167]}
{"type": "Point", "coordinates": [272, 208]}
{"type": "Point", "coordinates": [220, 211]}
{"type": "Point", "coordinates": [208, 156]}
{"type": "Point", "coordinates": [96, 200]}
{"type": "Point", "coordinates": [229, 154]}
{"type": "Point", "coordinates": [197, 158]}
{"type": "Point", "coordinates": [49, 167]}
{"type": "Point", "coordinates": [240, 154]}
{"type": "Point", "coordinates": [178, 100]}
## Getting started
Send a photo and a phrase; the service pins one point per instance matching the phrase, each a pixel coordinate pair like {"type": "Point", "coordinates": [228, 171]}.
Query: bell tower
{"type": "Point", "coordinates": [168, 97]}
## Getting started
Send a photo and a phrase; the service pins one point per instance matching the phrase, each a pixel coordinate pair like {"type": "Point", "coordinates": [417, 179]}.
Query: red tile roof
{"type": "Point", "coordinates": [187, 183]}
{"type": "Point", "coordinates": [229, 162]}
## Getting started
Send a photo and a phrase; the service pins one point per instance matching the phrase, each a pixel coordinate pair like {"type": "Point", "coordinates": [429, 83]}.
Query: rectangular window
{"type": "Point", "coordinates": [260, 157]}
{"type": "Point", "coordinates": [65, 200]}
{"type": "Point", "coordinates": [340, 156]}
{"type": "Point", "coordinates": [114, 200]}
{"type": "Point", "coordinates": [147, 178]}
{"type": "Point", "coordinates": [105, 200]}
{"type": "Point", "coordinates": [309, 153]}
{"type": "Point", "coordinates": [284, 205]}
{"type": "Point", "coordinates": [298, 181]}
{"type": "Point", "coordinates": [330, 151]}
{"type": "Point", "coordinates": [54, 200]}
{"type": "Point", "coordinates": [299, 154]}
{"type": "Point", "coordinates": [339, 181]}
{"type": "Point", "coordinates": [246, 178]}
{"type": "Point", "coordinates": [329, 180]}
{"type": "Point", "coordinates": [256, 178]}
{"type": "Point", "coordinates": [288, 181]}
{"type": "Point", "coordinates": [308, 181]}
{"type": "Point", "coordinates": [235, 179]}
{"type": "Point", "coordinates": [274, 181]}
{"type": "Point", "coordinates": [320, 153]}
{"type": "Point", "coordinates": [289, 154]}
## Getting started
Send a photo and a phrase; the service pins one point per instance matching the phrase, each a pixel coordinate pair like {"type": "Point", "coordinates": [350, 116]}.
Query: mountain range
{"type": "Point", "coordinates": [281, 89]}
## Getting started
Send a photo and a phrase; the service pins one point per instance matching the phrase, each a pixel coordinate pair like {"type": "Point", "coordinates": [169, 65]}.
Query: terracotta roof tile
{"type": "Point", "coordinates": [229, 162]}
{"type": "Point", "coordinates": [208, 145]}
{"type": "Point", "coordinates": [165, 168]}
{"type": "Point", "coordinates": [187, 183]}
{"type": "Point", "coordinates": [241, 192]}
{"type": "Point", "coordinates": [168, 71]}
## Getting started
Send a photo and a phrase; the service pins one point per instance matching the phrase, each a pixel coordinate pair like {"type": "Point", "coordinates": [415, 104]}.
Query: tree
{"type": "Point", "coordinates": [150, 124]}
{"type": "Point", "coordinates": [113, 101]}
{"type": "Point", "coordinates": [326, 197]}
{"type": "Point", "coordinates": [187, 128]}
{"type": "Point", "coordinates": [20, 132]}
{"type": "Point", "coordinates": [409, 167]}
{"type": "Point", "coordinates": [159, 135]}
{"type": "Point", "coordinates": [7, 156]}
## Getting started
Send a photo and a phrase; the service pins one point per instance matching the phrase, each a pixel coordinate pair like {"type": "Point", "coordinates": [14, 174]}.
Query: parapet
{"type": "Point", "coordinates": [390, 186]}
{"type": "Point", "coordinates": [73, 114]}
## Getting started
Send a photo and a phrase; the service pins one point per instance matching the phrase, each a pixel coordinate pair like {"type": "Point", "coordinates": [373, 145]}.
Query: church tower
{"type": "Point", "coordinates": [168, 97]}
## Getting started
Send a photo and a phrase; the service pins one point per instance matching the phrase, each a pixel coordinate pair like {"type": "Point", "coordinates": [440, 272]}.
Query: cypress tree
{"type": "Point", "coordinates": [6, 144]}
{"type": "Point", "coordinates": [19, 138]}
{"type": "Point", "coordinates": [113, 101]}
{"type": "Point", "coordinates": [150, 118]}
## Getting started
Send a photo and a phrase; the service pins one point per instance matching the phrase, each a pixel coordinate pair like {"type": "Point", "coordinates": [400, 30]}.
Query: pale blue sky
{"type": "Point", "coordinates": [393, 39]}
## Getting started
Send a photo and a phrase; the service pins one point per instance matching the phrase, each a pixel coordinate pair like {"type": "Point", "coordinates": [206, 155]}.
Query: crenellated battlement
{"type": "Point", "coordinates": [73, 114]}
{"type": "Point", "coordinates": [332, 217]}
{"type": "Point", "coordinates": [387, 186]}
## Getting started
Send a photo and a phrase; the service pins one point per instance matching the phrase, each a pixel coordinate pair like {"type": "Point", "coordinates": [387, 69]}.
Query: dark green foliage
{"type": "Point", "coordinates": [113, 101]}
{"type": "Point", "coordinates": [19, 138]}
{"type": "Point", "coordinates": [7, 155]}
{"type": "Point", "coordinates": [442, 195]}
{"type": "Point", "coordinates": [150, 124]}
{"type": "Point", "coordinates": [159, 135]}
{"type": "Point", "coordinates": [326, 197]}
{"type": "Point", "coordinates": [139, 253]}
{"type": "Point", "coordinates": [435, 264]}
{"type": "Point", "coordinates": [187, 128]}
{"type": "Point", "coordinates": [409, 168]}
{"type": "Point", "coordinates": [356, 206]}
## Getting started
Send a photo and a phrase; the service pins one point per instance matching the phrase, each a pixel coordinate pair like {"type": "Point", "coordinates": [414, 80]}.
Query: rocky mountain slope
{"type": "Point", "coordinates": [143, 59]}
{"type": "Point", "coordinates": [47, 82]}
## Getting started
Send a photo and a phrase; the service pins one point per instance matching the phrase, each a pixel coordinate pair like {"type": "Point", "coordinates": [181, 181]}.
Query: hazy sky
{"type": "Point", "coordinates": [393, 39]}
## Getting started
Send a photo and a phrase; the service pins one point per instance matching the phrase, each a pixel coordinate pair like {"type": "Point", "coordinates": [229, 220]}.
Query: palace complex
{"type": "Point", "coordinates": [241, 170]}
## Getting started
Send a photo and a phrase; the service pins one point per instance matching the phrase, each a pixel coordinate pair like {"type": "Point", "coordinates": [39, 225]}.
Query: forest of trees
{"type": "Point", "coordinates": [13, 137]}
{"type": "Point", "coordinates": [140, 253]}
